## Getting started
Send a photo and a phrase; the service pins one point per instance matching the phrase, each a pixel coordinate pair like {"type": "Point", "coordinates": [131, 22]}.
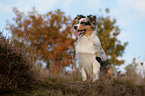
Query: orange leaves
{"type": "Point", "coordinates": [43, 34]}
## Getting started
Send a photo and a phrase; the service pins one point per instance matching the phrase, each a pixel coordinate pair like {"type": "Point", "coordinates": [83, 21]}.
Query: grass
{"type": "Point", "coordinates": [71, 85]}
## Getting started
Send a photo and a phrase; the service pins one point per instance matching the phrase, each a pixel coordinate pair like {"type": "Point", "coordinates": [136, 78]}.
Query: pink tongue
{"type": "Point", "coordinates": [77, 34]}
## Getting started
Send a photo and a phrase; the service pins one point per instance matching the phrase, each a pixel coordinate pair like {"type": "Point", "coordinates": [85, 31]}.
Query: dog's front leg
{"type": "Point", "coordinates": [96, 70]}
{"type": "Point", "coordinates": [84, 75]}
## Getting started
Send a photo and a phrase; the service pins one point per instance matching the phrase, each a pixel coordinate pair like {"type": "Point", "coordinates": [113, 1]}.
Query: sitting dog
{"type": "Point", "coordinates": [88, 48]}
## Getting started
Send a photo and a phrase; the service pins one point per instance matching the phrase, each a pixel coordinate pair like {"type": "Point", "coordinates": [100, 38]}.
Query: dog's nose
{"type": "Point", "coordinates": [75, 27]}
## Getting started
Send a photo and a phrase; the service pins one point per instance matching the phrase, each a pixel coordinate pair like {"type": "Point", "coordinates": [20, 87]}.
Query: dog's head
{"type": "Point", "coordinates": [85, 25]}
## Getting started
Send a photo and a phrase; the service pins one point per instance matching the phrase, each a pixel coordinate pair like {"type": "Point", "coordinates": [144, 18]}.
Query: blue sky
{"type": "Point", "coordinates": [130, 16]}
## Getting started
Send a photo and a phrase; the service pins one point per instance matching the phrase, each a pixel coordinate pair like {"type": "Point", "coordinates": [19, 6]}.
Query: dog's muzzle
{"type": "Point", "coordinates": [79, 32]}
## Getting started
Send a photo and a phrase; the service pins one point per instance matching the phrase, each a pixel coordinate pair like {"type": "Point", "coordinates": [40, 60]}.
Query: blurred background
{"type": "Point", "coordinates": [126, 16]}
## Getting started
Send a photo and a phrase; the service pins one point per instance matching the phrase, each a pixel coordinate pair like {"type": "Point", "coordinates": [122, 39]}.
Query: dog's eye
{"type": "Point", "coordinates": [82, 23]}
{"type": "Point", "coordinates": [87, 23]}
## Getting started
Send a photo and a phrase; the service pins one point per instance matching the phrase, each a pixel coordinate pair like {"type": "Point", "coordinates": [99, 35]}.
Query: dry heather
{"type": "Point", "coordinates": [16, 69]}
{"type": "Point", "coordinates": [71, 85]}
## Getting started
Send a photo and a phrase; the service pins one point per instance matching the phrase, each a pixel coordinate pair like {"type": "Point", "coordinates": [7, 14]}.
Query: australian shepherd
{"type": "Point", "coordinates": [90, 55]}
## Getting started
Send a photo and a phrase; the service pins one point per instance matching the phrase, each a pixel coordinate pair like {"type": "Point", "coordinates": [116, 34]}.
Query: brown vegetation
{"type": "Point", "coordinates": [71, 85]}
{"type": "Point", "coordinates": [16, 69]}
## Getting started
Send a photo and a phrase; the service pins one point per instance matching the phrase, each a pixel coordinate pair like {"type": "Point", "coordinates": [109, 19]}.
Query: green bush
{"type": "Point", "coordinates": [16, 68]}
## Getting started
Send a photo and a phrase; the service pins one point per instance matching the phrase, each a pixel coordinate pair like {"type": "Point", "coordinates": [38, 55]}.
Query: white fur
{"type": "Point", "coordinates": [89, 66]}
{"type": "Point", "coordinates": [86, 47]}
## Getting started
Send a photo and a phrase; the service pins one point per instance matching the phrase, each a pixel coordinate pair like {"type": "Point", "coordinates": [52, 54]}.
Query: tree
{"type": "Point", "coordinates": [108, 32]}
{"type": "Point", "coordinates": [50, 35]}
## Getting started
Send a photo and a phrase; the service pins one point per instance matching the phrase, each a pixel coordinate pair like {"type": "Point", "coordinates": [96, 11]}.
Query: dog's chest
{"type": "Point", "coordinates": [85, 45]}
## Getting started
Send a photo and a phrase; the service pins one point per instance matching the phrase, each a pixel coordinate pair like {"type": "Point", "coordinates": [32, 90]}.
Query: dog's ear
{"type": "Point", "coordinates": [92, 19]}
{"type": "Point", "coordinates": [78, 17]}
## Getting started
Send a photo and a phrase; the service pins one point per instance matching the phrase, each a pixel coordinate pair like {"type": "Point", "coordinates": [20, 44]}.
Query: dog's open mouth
{"type": "Point", "coordinates": [80, 32]}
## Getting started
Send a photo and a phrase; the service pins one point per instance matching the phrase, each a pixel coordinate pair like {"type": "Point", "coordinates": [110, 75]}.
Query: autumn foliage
{"type": "Point", "coordinates": [108, 32]}
{"type": "Point", "coordinates": [50, 36]}
{"type": "Point", "coordinates": [47, 34]}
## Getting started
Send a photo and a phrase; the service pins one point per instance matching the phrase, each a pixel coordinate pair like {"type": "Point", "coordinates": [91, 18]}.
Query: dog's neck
{"type": "Point", "coordinates": [89, 33]}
